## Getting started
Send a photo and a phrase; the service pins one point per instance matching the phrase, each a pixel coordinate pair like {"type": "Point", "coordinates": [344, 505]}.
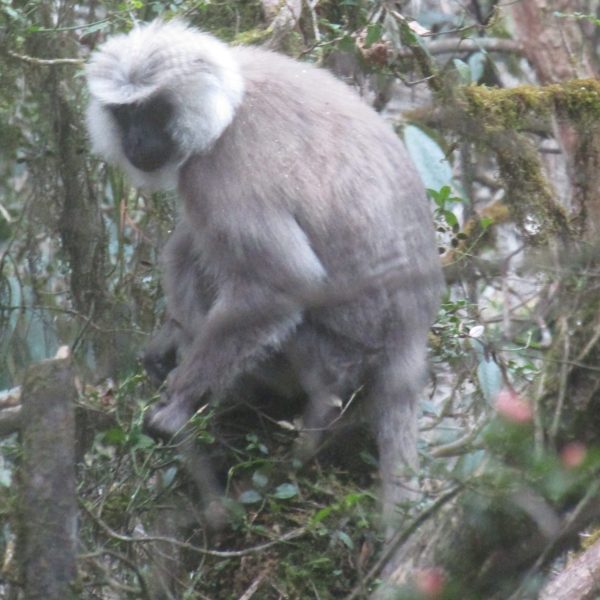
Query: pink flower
{"type": "Point", "coordinates": [513, 407]}
{"type": "Point", "coordinates": [430, 582]}
{"type": "Point", "coordinates": [573, 454]}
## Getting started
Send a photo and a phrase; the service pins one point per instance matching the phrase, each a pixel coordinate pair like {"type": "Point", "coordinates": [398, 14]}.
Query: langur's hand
{"type": "Point", "coordinates": [168, 417]}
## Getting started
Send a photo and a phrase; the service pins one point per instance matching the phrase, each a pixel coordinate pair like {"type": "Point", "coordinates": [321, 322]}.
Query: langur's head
{"type": "Point", "coordinates": [159, 94]}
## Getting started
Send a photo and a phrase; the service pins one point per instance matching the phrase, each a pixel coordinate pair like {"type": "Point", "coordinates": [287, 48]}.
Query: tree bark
{"type": "Point", "coordinates": [65, 182]}
{"type": "Point", "coordinates": [579, 581]}
{"type": "Point", "coordinates": [48, 527]}
{"type": "Point", "coordinates": [554, 46]}
{"type": "Point", "coordinates": [557, 50]}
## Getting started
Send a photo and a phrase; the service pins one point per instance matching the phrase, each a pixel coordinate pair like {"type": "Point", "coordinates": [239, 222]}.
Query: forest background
{"type": "Point", "coordinates": [499, 105]}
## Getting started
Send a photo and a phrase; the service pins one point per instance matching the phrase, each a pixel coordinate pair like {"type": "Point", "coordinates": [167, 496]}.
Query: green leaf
{"type": "Point", "coordinates": [450, 218]}
{"type": "Point", "coordinates": [250, 497]}
{"type": "Point", "coordinates": [322, 514]}
{"type": "Point", "coordinates": [468, 464]}
{"type": "Point", "coordinates": [355, 498]}
{"type": "Point", "coordinates": [285, 491]}
{"type": "Point", "coordinates": [477, 65]}
{"type": "Point", "coordinates": [368, 458]}
{"type": "Point", "coordinates": [115, 436]}
{"type": "Point", "coordinates": [5, 477]}
{"type": "Point", "coordinates": [407, 35]}
{"type": "Point", "coordinates": [429, 158]}
{"type": "Point", "coordinates": [168, 476]}
{"type": "Point", "coordinates": [441, 196]}
{"type": "Point", "coordinates": [345, 539]}
{"type": "Point", "coordinates": [260, 480]}
{"type": "Point", "coordinates": [335, 27]}
{"type": "Point", "coordinates": [347, 44]}
{"type": "Point", "coordinates": [490, 378]}
{"type": "Point", "coordinates": [463, 70]}
{"type": "Point", "coordinates": [143, 442]}
{"type": "Point", "coordinates": [374, 33]}
{"type": "Point", "coordinates": [485, 222]}
{"type": "Point", "coordinates": [11, 13]}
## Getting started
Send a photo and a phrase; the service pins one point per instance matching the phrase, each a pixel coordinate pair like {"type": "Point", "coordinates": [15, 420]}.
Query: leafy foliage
{"type": "Point", "coordinates": [509, 429]}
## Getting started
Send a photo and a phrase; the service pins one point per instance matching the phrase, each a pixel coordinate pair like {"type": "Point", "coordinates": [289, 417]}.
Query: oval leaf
{"type": "Point", "coordinates": [463, 70]}
{"type": "Point", "coordinates": [259, 479]}
{"type": "Point", "coordinates": [285, 491]}
{"type": "Point", "coordinates": [490, 379]}
{"type": "Point", "coordinates": [429, 158]}
{"type": "Point", "coordinates": [345, 539]}
{"type": "Point", "coordinates": [250, 497]}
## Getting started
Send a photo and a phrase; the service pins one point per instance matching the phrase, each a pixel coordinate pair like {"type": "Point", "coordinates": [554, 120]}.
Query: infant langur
{"type": "Point", "coordinates": [290, 185]}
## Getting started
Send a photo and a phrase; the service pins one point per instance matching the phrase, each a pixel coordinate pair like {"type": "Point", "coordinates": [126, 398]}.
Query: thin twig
{"type": "Point", "coordinates": [455, 46]}
{"type": "Point", "coordinates": [46, 62]}
{"type": "Point", "coordinates": [290, 535]}
{"type": "Point", "coordinates": [562, 388]}
{"type": "Point", "coordinates": [254, 586]}
{"type": "Point", "coordinates": [457, 447]}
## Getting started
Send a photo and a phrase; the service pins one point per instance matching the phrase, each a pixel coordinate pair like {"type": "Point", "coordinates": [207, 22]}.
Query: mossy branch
{"type": "Point", "coordinates": [577, 101]}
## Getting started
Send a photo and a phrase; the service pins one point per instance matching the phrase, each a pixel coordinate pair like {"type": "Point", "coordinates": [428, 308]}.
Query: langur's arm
{"type": "Point", "coordinates": [256, 309]}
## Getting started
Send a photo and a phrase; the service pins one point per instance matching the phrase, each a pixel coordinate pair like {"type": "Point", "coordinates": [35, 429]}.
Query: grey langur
{"type": "Point", "coordinates": [290, 185]}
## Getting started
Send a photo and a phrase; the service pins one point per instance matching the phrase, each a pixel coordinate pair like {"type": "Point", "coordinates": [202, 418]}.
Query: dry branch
{"type": "Point", "coordinates": [462, 46]}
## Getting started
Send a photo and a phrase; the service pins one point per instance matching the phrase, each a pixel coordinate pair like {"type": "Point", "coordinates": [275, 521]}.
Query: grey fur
{"type": "Point", "coordinates": [290, 184]}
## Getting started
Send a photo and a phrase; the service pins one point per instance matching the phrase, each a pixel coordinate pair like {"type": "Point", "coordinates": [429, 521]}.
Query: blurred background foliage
{"type": "Point", "coordinates": [499, 107]}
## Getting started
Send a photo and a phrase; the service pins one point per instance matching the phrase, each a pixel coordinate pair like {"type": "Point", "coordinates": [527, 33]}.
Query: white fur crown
{"type": "Point", "coordinates": [197, 72]}
{"type": "Point", "coordinates": [157, 56]}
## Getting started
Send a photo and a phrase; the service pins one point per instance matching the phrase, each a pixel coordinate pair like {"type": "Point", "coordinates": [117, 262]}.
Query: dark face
{"type": "Point", "coordinates": [147, 142]}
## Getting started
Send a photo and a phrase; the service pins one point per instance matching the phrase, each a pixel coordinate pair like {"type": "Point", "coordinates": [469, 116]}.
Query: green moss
{"type": "Point", "coordinates": [502, 109]}
{"type": "Point", "coordinates": [577, 100]}
{"type": "Point", "coordinates": [514, 109]}
{"type": "Point", "coordinates": [219, 17]}
{"type": "Point", "coordinates": [497, 118]}
{"type": "Point", "coordinates": [252, 36]}
{"type": "Point", "coordinates": [528, 193]}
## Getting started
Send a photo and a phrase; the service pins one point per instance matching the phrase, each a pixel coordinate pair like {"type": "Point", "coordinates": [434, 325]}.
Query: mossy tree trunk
{"type": "Point", "coordinates": [557, 50]}
{"type": "Point", "coordinates": [48, 513]}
